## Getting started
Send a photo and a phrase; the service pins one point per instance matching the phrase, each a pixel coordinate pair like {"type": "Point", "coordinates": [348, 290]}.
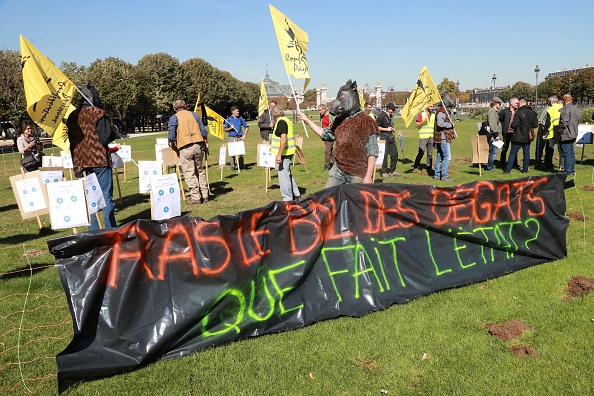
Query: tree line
{"type": "Point", "coordinates": [140, 94]}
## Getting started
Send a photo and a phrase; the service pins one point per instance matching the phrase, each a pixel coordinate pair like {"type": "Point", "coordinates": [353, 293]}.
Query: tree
{"type": "Point", "coordinates": [116, 82]}
{"type": "Point", "coordinates": [447, 86]}
{"type": "Point", "coordinates": [76, 74]}
{"type": "Point", "coordinates": [309, 95]}
{"type": "Point", "coordinates": [12, 92]}
{"type": "Point", "coordinates": [159, 79]}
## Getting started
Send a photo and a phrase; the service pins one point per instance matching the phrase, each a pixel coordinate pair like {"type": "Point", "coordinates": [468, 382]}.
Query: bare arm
{"type": "Point", "coordinates": [316, 128]}
{"type": "Point", "coordinates": [368, 179]}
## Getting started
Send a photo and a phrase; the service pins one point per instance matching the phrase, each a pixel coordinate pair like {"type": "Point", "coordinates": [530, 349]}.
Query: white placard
{"type": "Point", "coordinates": [381, 145]}
{"type": "Point", "coordinates": [222, 155]}
{"type": "Point", "coordinates": [265, 157]}
{"type": "Point", "coordinates": [67, 204]}
{"type": "Point", "coordinates": [30, 194]}
{"type": "Point", "coordinates": [163, 141]}
{"type": "Point", "coordinates": [165, 197]}
{"type": "Point", "coordinates": [66, 160]}
{"type": "Point", "coordinates": [158, 155]}
{"type": "Point", "coordinates": [146, 170]}
{"type": "Point", "coordinates": [95, 199]}
{"type": "Point", "coordinates": [116, 161]}
{"type": "Point", "coordinates": [584, 134]}
{"type": "Point", "coordinates": [236, 148]}
{"type": "Point", "coordinates": [50, 161]}
{"type": "Point", "coordinates": [125, 152]}
{"type": "Point", "coordinates": [498, 143]}
{"type": "Point", "coordinates": [53, 176]}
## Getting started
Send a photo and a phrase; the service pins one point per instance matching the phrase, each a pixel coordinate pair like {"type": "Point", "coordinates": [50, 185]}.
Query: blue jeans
{"type": "Point", "coordinates": [442, 162]}
{"type": "Point", "coordinates": [288, 186]}
{"type": "Point", "coordinates": [567, 155]}
{"type": "Point", "coordinates": [337, 176]}
{"type": "Point", "coordinates": [492, 154]}
{"type": "Point", "coordinates": [513, 154]}
{"type": "Point", "coordinates": [105, 179]}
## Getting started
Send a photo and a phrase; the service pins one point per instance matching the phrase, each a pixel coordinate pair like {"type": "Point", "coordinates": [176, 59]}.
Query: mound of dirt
{"type": "Point", "coordinates": [578, 216]}
{"type": "Point", "coordinates": [588, 188]}
{"type": "Point", "coordinates": [509, 330]}
{"type": "Point", "coordinates": [523, 350]}
{"type": "Point", "coordinates": [579, 286]}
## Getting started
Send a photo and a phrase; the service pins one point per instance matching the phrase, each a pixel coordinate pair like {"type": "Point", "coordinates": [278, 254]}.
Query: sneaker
{"type": "Point", "coordinates": [447, 179]}
{"type": "Point", "coordinates": [204, 200]}
{"type": "Point", "coordinates": [385, 175]}
{"type": "Point", "coordinates": [395, 174]}
{"type": "Point", "coordinates": [192, 202]}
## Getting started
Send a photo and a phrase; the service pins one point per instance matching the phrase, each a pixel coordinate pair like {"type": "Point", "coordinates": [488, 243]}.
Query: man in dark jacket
{"type": "Point", "coordinates": [524, 121]}
{"type": "Point", "coordinates": [568, 131]}
{"type": "Point", "coordinates": [266, 122]}
{"type": "Point", "coordinates": [506, 117]}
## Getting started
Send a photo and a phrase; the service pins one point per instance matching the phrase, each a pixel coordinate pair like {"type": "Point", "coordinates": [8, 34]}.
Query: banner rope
{"type": "Point", "coordinates": [22, 320]}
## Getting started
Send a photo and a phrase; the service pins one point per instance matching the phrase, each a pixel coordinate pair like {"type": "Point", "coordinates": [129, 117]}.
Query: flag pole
{"type": "Point", "coordinates": [297, 103]}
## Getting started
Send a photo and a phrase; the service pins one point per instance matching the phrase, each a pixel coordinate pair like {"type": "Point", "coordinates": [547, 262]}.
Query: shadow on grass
{"type": "Point", "coordinates": [23, 238]}
{"type": "Point", "coordinates": [130, 200]}
{"type": "Point", "coordinates": [220, 188]}
{"type": "Point", "coordinates": [8, 207]}
{"type": "Point", "coordinates": [144, 214]}
{"type": "Point", "coordinates": [25, 271]}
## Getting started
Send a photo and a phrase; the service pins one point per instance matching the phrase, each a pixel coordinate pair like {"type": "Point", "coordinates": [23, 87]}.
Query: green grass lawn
{"type": "Point", "coordinates": [433, 345]}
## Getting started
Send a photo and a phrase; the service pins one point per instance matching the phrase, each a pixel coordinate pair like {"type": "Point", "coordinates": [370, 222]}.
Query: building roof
{"type": "Point", "coordinates": [274, 89]}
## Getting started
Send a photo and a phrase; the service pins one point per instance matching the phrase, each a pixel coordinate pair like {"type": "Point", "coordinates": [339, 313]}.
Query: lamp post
{"type": "Point", "coordinates": [570, 85]}
{"type": "Point", "coordinates": [537, 150]}
{"type": "Point", "coordinates": [536, 71]}
{"type": "Point", "coordinates": [457, 92]}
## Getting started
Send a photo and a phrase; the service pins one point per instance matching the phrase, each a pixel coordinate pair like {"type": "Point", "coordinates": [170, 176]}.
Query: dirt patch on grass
{"type": "Point", "coordinates": [579, 286]}
{"type": "Point", "coordinates": [588, 188]}
{"type": "Point", "coordinates": [509, 330]}
{"type": "Point", "coordinates": [369, 364]}
{"type": "Point", "coordinates": [523, 350]}
{"type": "Point", "coordinates": [318, 181]}
{"type": "Point", "coordinates": [578, 216]}
{"type": "Point", "coordinates": [34, 252]}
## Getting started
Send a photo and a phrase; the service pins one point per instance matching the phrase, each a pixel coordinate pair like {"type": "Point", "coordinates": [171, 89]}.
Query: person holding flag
{"type": "Point", "coordinates": [90, 132]}
{"type": "Point", "coordinates": [426, 124]}
{"type": "Point", "coordinates": [233, 126]}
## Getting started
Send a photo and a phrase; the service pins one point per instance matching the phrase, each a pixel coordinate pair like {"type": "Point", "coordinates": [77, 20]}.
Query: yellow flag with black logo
{"type": "Point", "coordinates": [424, 94]}
{"type": "Point", "coordinates": [48, 92]}
{"type": "Point", "coordinates": [292, 42]}
{"type": "Point", "coordinates": [263, 101]}
{"type": "Point", "coordinates": [215, 123]}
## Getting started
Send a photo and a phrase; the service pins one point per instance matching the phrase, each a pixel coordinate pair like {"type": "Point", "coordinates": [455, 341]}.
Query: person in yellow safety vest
{"type": "Point", "coordinates": [282, 146]}
{"type": "Point", "coordinates": [425, 122]}
{"type": "Point", "coordinates": [549, 122]}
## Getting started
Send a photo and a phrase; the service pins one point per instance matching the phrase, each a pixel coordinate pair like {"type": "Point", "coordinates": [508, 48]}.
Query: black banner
{"type": "Point", "coordinates": [150, 290]}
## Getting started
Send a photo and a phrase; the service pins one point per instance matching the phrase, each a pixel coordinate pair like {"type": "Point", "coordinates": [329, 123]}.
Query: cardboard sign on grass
{"type": "Point", "coordinates": [51, 175]}
{"type": "Point", "coordinates": [95, 199]}
{"type": "Point", "coordinates": [116, 161]}
{"type": "Point", "coordinates": [381, 145]}
{"type": "Point", "coordinates": [50, 161]}
{"type": "Point", "coordinates": [265, 157]}
{"type": "Point", "coordinates": [480, 149]}
{"type": "Point", "coordinates": [146, 170]}
{"type": "Point", "coordinates": [236, 148]}
{"type": "Point", "coordinates": [165, 197]}
{"type": "Point", "coordinates": [222, 155]}
{"type": "Point", "coordinates": [68, 208]}
{"type": "Point", "coordinates": [29, 194]}
{"type": "Point", "coordinates": [125, 153]}
{"type": "Point", "coordinates": [584, 134]}
{"type": "Point", "coordinates": [66, 160]}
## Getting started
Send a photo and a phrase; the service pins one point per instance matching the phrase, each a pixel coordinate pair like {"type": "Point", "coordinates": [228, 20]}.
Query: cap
{"type": "Point", "coordinates": [497, 99]}
{"type": "Point", "coordinates": [391, 106]}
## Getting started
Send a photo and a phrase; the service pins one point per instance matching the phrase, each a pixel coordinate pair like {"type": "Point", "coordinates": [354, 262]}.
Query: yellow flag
{"type": "Point", "coordinates": [215, 123]}
{"type": "Point", "coordinates": [197, 107]}
{"type": "Point", "coordinates": [49, 94]}
{"type": "Point", "coordinates": [293, 44]}
{"type": "Point", "coordinates": [424, 94]}
{"type": "Point", "coordinates": [361, 99]}
{"type": "Point", "coordinates": [263, 101]}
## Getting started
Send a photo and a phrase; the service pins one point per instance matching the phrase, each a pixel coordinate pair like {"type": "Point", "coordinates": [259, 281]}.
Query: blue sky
{"type": "Point", "coordinates": [466, 41]}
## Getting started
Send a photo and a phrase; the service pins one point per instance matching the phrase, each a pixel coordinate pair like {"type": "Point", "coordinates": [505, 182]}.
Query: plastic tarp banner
{"type": "Point", "coordinates": [151, 290]}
